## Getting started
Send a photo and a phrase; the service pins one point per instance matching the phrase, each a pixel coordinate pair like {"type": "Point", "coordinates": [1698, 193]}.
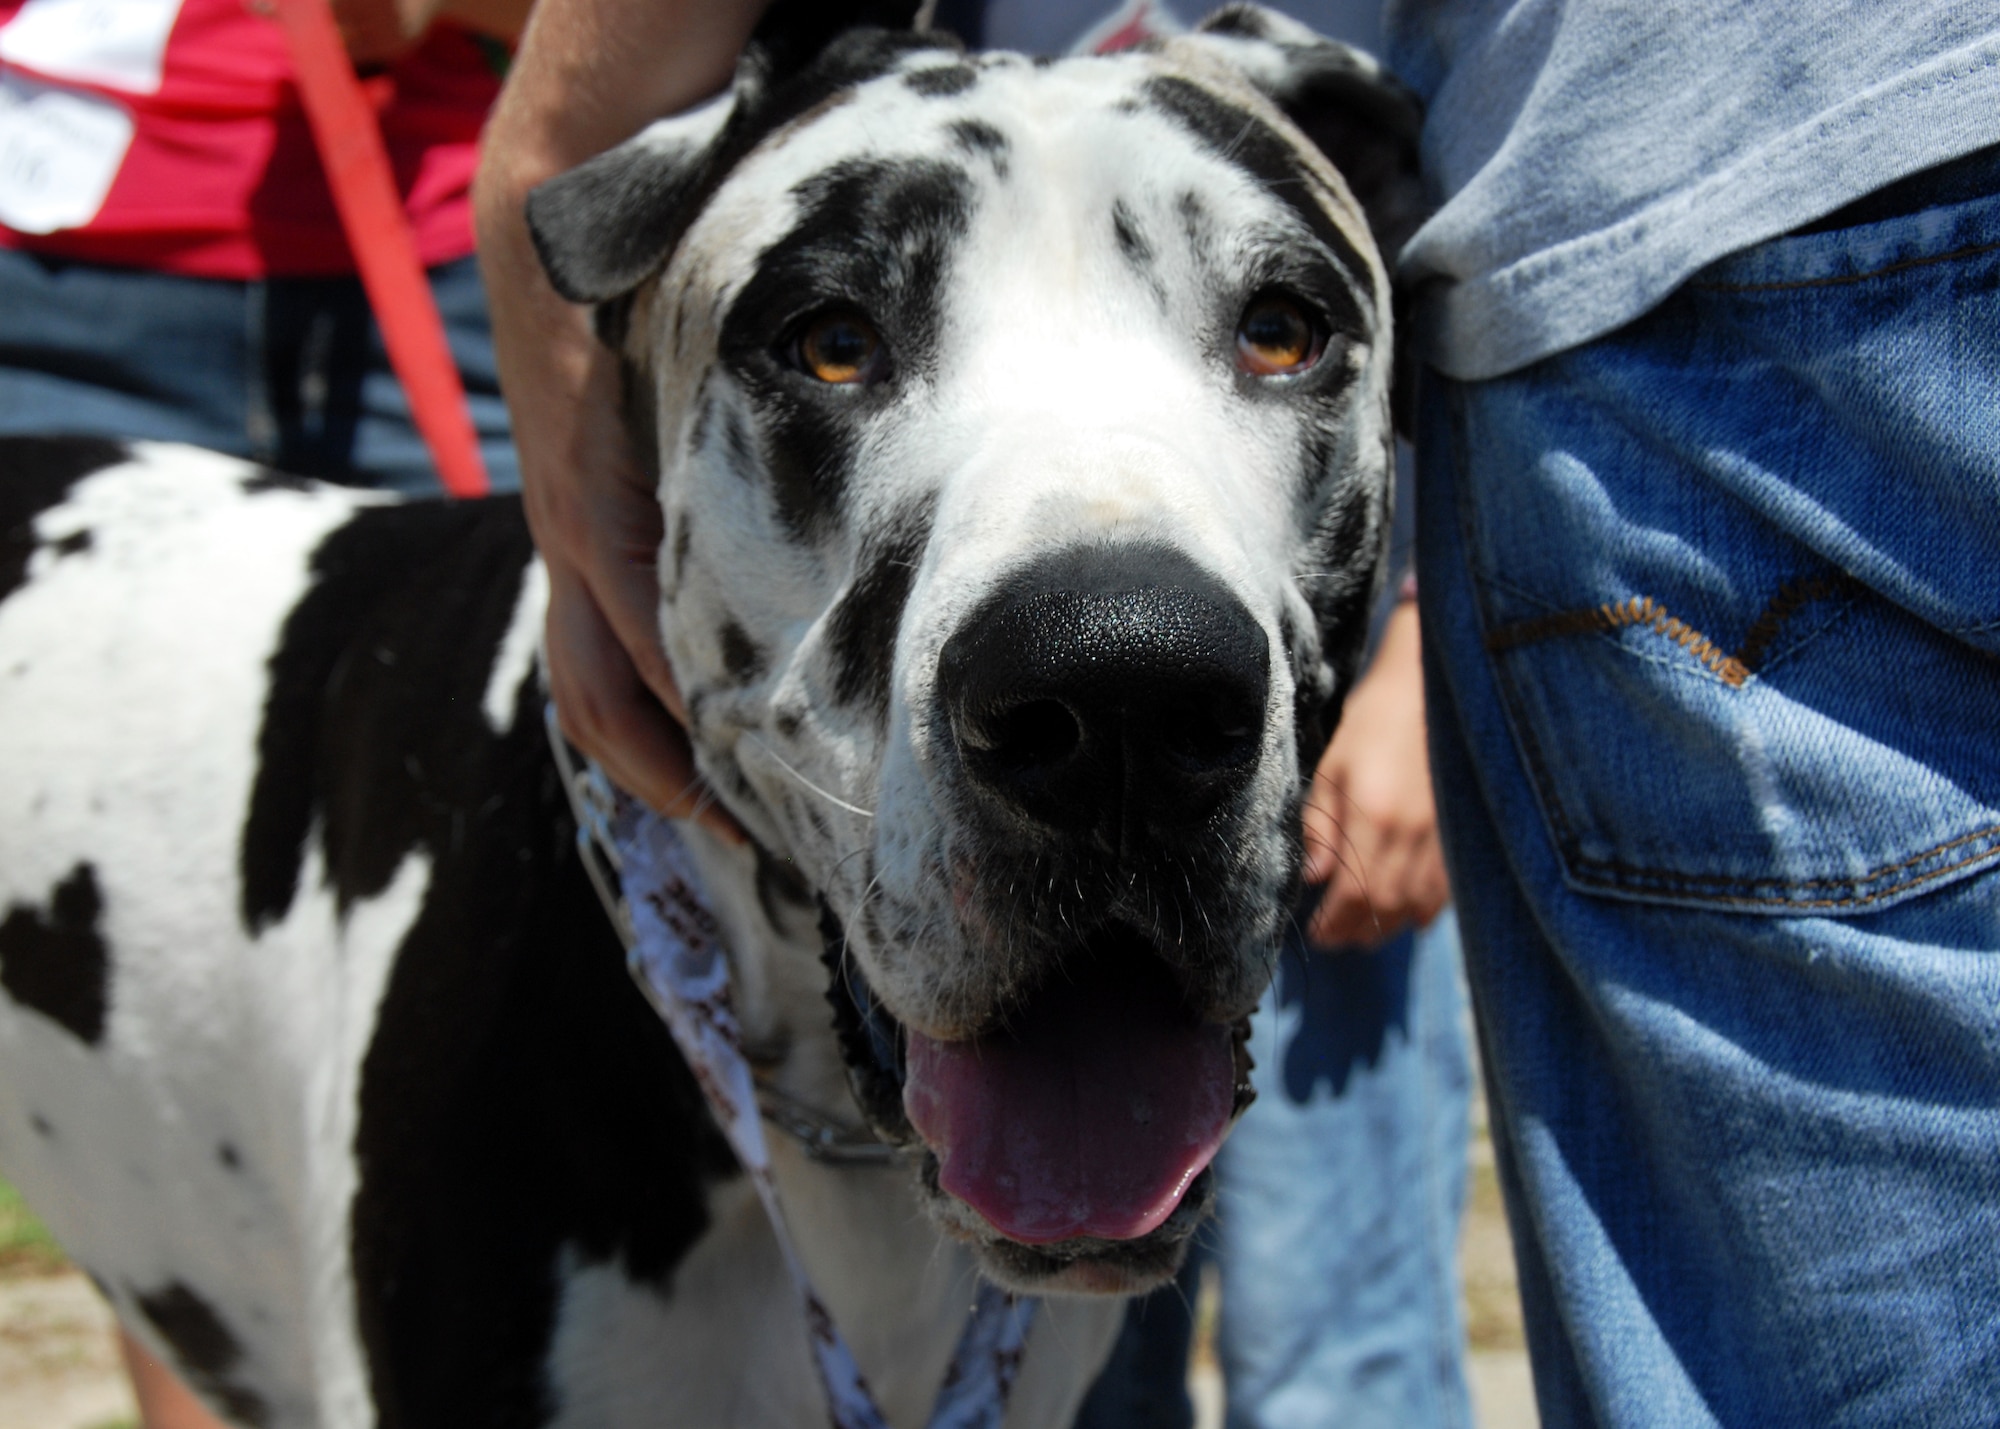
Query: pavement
{"type": "Point", "coordinates": [59, 1366]}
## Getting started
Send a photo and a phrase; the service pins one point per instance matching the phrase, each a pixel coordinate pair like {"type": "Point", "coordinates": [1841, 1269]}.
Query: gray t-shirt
{"type": "Point", "coordinates": [1590, 155]}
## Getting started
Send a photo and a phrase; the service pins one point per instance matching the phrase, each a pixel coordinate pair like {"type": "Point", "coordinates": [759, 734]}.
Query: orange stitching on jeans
{"type": "Point", "coordinates": [1639, 610]}
{"type": "Point", "coordinates": [1784, 605]}
{"type": "Point", "coordinates": [1643, 610]}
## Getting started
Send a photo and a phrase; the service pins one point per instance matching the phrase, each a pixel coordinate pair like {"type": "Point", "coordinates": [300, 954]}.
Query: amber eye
{"type": "Point", "coordinates": [1276, 338]}
{"type": "Point", "coordinates": [839, 348]}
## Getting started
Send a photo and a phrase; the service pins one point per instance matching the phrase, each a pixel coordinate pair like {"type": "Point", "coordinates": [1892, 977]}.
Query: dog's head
{"type": "Point", "coordinates": [1024, 448]}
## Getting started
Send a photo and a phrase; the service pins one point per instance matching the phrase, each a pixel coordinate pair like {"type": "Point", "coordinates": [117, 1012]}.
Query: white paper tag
{"type": "Point", "coordinates": [120, 44]}
{"type": "Point", "coordinates": [59, 152]}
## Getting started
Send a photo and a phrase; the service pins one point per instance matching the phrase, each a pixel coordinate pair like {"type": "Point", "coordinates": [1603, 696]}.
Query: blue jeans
{"type": "Point", "coordinates": [288, 371]}
{"type": "Point", "coordinates": [1712, 631]}
{"type": "Point", "coordinates": [1342, 1192]}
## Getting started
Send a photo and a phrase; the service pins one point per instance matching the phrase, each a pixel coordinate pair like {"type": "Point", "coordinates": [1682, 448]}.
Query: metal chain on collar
{"type": "Point", "coordinates": [674, 950]}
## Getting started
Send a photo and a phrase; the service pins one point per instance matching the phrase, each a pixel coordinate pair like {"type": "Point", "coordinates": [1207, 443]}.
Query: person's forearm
{"type": "Point", "coordinates": [589, 74]}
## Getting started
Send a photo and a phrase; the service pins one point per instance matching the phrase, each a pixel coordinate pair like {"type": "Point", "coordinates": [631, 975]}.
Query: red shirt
{"type": "Point", "coordinates": [186, 109]}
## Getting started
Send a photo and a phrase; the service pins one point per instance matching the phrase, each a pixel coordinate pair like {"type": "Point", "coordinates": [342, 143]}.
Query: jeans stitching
{"type": "Point", "coordinates": [1792, 596]}
{"type": "Point", "coordinates": [1844, 278]}
{"type": "Point", "coordinates": [1693, 884]}
{"type": "Point", "coordinates": [1646, 612]}
{"type": "Point", "coordinates": [1640, 610]}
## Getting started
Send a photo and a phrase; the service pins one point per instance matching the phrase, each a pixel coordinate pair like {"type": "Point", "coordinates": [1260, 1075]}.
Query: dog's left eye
{"type": "Point", "coordinates": [1277, 337]}
{"type": "Point", "coordinates": [840, 348]}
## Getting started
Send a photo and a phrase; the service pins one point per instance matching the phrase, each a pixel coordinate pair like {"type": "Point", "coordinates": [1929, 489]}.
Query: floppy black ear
{"type": "Point", "coordinates": [602, 227]}
{"type": "Point", "coordinates": [1365, 122]}
{"type": "Point", "coordinates": [607, 225]}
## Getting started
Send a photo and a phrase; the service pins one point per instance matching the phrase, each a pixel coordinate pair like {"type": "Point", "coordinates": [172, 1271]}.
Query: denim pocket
{"type": "Point", "coordinates": [1739, 574]}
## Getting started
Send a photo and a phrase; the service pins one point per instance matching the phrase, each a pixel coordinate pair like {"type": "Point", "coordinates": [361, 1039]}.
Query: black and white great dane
{"type": "Point", "coordinates": [1024, 443]}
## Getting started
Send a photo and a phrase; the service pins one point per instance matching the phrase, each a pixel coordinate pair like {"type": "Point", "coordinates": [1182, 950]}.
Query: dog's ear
{"type": "Point", "coordinates": [1365, 122]}
{"type": "Point", "coordinates": [607, 225]}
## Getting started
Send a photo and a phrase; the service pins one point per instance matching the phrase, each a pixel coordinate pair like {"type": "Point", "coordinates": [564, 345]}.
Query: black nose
{"type": "Point", "coordinates": [1112, 692]}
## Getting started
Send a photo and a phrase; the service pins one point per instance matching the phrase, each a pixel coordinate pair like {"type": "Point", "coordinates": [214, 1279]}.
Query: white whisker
{"type": "Point", "coordinates": [827, 795]}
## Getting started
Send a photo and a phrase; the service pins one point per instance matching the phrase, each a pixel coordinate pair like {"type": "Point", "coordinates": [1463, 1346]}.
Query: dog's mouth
{"type": "Point", "coordinates": [1071, 1143]}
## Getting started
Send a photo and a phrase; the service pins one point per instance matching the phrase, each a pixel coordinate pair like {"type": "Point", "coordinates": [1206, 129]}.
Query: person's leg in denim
{"type": "Point", "coordinates": [1342, 1192]}
{"type": "Point", "coordinates": [1712, 624]}
{"type": "Point", "coordinates": [291, 371]}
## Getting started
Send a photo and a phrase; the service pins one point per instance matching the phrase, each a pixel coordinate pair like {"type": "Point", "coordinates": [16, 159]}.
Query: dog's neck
{"type": "Point", "coordinates": [778, 977]}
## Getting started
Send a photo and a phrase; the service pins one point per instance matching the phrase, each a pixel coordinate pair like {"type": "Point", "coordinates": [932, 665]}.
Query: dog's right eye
{"type": "Point", "coordinates": [1277, 337]}
{"type": "Point", "coordinates": [841, 348]}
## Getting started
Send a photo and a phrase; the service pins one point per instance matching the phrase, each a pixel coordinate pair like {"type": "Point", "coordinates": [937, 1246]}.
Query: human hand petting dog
{"type": "Point", "coordinates": [589, 74]}
{"type": "Point", "coordinates": [1371, 823]}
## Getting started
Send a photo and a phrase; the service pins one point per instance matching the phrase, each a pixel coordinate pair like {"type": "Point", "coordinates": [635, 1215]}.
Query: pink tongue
{"type": "Point", "coordinates": [1089, 1117]}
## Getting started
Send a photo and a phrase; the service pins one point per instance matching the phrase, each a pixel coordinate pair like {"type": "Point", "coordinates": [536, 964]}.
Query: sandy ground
{"type": "Point", "coordinates": [59, 1362]}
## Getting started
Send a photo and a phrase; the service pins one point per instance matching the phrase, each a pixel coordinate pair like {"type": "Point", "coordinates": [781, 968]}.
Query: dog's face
{"type": "Point", "coordinates": [1024, 452]}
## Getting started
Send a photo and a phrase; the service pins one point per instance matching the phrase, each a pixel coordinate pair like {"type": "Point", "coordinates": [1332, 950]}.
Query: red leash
{"type": "Point", "coordinates": [378, 230]}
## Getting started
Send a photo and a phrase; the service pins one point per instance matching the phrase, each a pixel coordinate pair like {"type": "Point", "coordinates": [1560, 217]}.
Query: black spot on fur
{"type": "Point", "coordinates": [403, 620]}
{"type": "Point", "coordinates": [861, 628]}
{"type": "Point", "coordinates": [705, 405]}
{"type": "Point", "coordinates": [742, 657]}
{"type": "Point", "coordinates": [227, 1154]}
{"type": "Point", "coordinates": [205, 1350]}
{"type": "Point", "coordinates": [781, 888]}
{"type": "Point", "coordinates": [261, 482]}
{"type": "Point", "coordinates": [1313, 712]}
{"type": "Point", "coordinates": [42, 1125]}
{"type": "Point", "coordinates": [74, 544]}
{"type": "Point", "coordinates": [742, 450]}
{"type": "Point", "coordinates": [55, 961]}
{"type": "Point", "coordinates": [977, 137]}
{"type": "Point", "coordinates": [1197, 226]}
{"type": "Point", "coordinates": [1237, 137]}
{"type": "Point", "coordinates": [36, 473]}
{"type": "Point", "coordinates": [941, 81]}
{"type": "Point", "coordinates": [1247, 21]}
{"type": "Point", "coordinates": [683, 538]}
{"type": "Point", "coordinates": [876, 235]}
{"type": "Point", "coordinates": [510, 1049]}
{"type": "Point", "coordinates": [548, 1112]}
{"type": "Point", "coordinates": [1341, 603]}
{"type": "Point", "coordinates": [797, 35]}
{"type": "Point", "coordinates": [1131, 241]}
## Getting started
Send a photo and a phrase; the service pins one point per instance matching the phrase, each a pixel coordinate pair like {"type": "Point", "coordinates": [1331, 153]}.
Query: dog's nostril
{"type": "Point", "coordinates": [1211, 738]}
{"type": "Point", "coordinates": [1038, 733]}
